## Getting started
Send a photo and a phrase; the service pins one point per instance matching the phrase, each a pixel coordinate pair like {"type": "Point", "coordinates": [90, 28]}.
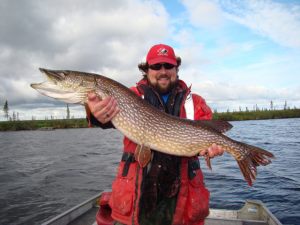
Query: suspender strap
{"type": "Point", "coordinates": [127, 158]}
{"type": "Point", "coordinates": [193, 165]}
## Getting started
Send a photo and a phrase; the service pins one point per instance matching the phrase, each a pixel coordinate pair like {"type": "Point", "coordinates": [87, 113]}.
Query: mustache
{"type": "Point", "coordinates": [163, 76]}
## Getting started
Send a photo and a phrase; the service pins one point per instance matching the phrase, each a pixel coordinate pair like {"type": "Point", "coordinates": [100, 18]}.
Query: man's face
{"type": "Point", "coordinates": [163, 79]}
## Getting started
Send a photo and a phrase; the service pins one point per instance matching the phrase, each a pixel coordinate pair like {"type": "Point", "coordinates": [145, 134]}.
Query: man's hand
{"type": "Point", "coordinates": [103, 110]}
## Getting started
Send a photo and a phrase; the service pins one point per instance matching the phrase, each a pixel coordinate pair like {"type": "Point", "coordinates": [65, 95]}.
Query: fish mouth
{"type": "Point", "coordinates": [53, 87]}
{"type": "Point", "coordinates": [52, 83]}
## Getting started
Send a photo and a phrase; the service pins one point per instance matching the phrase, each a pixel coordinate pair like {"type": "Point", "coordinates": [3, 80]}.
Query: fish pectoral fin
{"type": "Point", "coordinates": [142, 155]}
{"type": "Point", "coordinates": [204, 153]}
{"type": "Point", "coordinates": [217, 125]}
{"type": "Point", "coordinates": [208, 162]}
{"type": "Point", "coordinates": [88, 114]}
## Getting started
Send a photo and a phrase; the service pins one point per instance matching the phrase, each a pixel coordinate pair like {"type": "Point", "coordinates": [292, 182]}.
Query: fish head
{"type": "Point", "coordinates": [67, 86]}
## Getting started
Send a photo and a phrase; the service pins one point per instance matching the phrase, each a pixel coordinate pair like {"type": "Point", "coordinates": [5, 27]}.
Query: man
{"type": "Point", "coordinates": [168, 189]}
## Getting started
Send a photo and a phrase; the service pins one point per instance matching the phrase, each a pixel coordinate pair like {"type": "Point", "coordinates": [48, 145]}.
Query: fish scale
{"type": "Point", "coordinates": [150, 127]}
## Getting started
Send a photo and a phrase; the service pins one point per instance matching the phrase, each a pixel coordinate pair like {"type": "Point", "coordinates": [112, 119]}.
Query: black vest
{"type": "Point", "coordinates": [162, 180]}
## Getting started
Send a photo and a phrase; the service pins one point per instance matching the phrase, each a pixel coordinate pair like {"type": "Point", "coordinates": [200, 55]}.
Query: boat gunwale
{"type": "Point", "coordinates": [238, 216]}
{"type": "Point", "coordinates": [73, 213]}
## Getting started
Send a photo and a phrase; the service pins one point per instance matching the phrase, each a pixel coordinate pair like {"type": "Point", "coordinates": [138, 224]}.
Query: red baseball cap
{"type": "Point", "coordinates": [161, 53]}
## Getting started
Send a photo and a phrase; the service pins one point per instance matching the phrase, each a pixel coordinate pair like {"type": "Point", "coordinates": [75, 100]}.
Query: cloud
{"type": "Point", "coordinates": [108, 37]}
{"type": "Point", "coordinates": [203, 13]}
{"type": "Point", "coordinates": [235, 51]}
{"type": "Point", "coordinates": [277, 21]}
{"type": "Point", "coordinates": [224, 95]}
{"type": "Point", "coordinates": [191, 51]}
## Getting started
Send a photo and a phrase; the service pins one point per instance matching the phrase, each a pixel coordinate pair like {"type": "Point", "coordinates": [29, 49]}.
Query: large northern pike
{"type": "Point", "coordinates": [146, 125]}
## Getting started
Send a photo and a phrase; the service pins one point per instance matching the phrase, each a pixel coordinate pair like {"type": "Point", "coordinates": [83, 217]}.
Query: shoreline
{"type": "Point", "coordinates": [47, 125]}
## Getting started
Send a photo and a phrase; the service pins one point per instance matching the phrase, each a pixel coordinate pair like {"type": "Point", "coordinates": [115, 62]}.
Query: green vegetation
{"type": "Point", "coordinates": [15, 125]}
{"type": "Point", "coordinates": [42, 124]}
{"type": "Point", "coordinates": [258, 115]}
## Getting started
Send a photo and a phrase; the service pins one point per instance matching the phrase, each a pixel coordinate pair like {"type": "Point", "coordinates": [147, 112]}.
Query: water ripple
{"type": "Point", "coordinates": [45, 173]}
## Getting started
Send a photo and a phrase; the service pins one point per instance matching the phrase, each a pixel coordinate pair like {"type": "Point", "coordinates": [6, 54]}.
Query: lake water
{"type": "Point", "coordinates": [43, 173]}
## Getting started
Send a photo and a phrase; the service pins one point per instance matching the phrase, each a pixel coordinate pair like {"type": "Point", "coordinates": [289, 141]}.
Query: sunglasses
{"type": "Point", "coordinates": [158, 66]}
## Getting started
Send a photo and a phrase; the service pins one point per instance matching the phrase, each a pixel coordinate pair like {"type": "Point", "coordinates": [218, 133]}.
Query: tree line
{"type": "Point", "coordinates": [255, 113]}
{"type": "Point", "coordinates": [256, 108]}
{"type": "Point", "coordinates": [15, 116]}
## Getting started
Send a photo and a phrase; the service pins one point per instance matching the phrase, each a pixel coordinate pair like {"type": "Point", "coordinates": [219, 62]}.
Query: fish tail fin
{"type": "Point", "coordinates": [255, 157]}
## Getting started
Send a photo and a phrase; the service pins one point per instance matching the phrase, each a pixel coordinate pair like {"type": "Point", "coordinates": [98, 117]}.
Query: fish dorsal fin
{"type": "Point", "coordinates": [217, 125]}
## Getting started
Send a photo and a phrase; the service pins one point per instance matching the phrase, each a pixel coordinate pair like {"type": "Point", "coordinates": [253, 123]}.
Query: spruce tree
{"type": "Point", "coordinates": [68, 112]}
{"type": "Point", "coordinates": [5, 110]}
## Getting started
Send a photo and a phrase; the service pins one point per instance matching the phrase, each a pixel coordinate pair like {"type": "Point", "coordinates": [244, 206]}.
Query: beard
{"type": "Point", "coordinates": [164, 89]}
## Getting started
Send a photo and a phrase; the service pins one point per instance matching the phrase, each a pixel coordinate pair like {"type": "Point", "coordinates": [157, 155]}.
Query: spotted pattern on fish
{"type": "Point", "coordinates": [149, 127]}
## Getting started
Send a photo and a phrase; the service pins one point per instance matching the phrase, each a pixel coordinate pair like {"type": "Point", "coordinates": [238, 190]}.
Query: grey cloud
{"type": "Point", "coordinates": [23, 26]}
{"type": "Point", "coordinates": [108, 37]}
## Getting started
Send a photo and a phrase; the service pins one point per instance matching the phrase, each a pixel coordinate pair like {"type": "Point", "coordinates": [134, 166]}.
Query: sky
{"type": "Point", "coordinates": [235, 54]}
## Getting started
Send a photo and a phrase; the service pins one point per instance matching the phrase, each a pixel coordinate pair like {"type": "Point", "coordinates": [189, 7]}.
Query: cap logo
{"type": "Point", "coordinates": [162, 51]}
